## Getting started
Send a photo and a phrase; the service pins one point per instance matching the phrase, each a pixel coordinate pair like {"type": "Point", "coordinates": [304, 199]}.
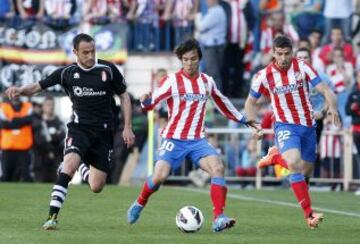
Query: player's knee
{"type": "Point", "coordinates": [96, 187]}
{"type": "Point", "coordinates": [217, 169]}
{"type": "Point", "coordinates": [159, 178]}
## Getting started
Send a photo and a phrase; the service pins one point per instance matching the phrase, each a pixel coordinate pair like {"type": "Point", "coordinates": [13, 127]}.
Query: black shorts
{"type": "Point", "coordinates": [93, 144]}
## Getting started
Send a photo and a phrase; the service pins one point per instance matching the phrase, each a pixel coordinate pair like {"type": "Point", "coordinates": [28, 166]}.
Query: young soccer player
{"type": "Point", "coordinates": [186, 93]}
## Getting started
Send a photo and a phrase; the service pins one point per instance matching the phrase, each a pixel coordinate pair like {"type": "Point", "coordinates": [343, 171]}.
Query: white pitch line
{"type": "Point", "coordinates": [274, 202]}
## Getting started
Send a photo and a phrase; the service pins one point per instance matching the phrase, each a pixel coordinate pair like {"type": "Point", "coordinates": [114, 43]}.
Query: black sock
{"type": "Point", "coordinates": [58, 194]}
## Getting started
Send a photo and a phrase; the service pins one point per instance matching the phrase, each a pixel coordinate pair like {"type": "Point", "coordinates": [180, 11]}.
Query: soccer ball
{"type": "Point", "coordinates": [189, 219]}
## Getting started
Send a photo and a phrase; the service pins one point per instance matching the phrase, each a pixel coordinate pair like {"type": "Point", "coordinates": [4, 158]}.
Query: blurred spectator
{"type": "Point", "coordinates": [183, 15]}
{"type": "Point", "coordinates": [267, 7]}
{"type": "Point", "coordinates": [241, 23]}
{"type": "Point", "coordinates": [309, 17]}
{"type": "Point", "coordinates": [353, 109]}
{"type": "Point", "coordinates": [249, 156]}
{"type": "Point", "coordinates": [212, 28]}
{"type": "Point", "coordinates": [146, 32]}
{"type": "Point", "coordinates": [16, 140]}
{"type": "Point", "coordinates": [315, 42]}
{"type": "Point", "coordinates": [338, 15]}
{"type": "Point", "coordinates": [6, 9]}
{"type": "Point", "coordinates": [95, 11]}
{"type": "Point", "coordinates": [277, 26]}
{"type": "Point", "coordinates": [330, 151]}
{"type": "Point", "coordinates": [58, 13]}
{"type": "Point", "coordinates": [337, 41]}
{"type": "Point", "coordinates": [120, 150]}
{"type": "Point", "coordinates": [29, 9]}
{"type": "Point", "coordinates": [232, 153]}
{"type": "Point", "coordinates": [48, 143]}
{"type": "Point", "coordinates": [341, 76]}
{"type": "Point", "coordinates": [140, 129]}
{"type": "Point", "coordinates": [117, 9]}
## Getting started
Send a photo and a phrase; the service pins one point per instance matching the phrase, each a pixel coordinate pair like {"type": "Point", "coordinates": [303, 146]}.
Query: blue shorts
{"type": "Point", "coordinates": [175, 151]}
{"type": "Point", "coordinates": [290, 136]}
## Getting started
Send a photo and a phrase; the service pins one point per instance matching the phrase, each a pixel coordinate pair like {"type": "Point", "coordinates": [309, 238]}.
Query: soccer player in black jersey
{"type": "Point", "coordinates": [90, 84]}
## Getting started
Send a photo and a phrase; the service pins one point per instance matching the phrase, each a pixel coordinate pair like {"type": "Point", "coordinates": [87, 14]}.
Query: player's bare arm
{"type": "Point", "coordinates": [127, 134]}
{"type": "Point", "coordinates": [250, 111]}
{"type": "Point", "coordinates": [330, 99]}
{"type": "Point", "coordinates": [25, 90]}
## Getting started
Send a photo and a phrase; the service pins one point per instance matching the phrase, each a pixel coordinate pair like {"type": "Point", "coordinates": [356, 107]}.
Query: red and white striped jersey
{"type": "Point", "coordinates": [186, 101]}
{"type": "Point", "coordinates": [339, 81]}
{"type": "Point", "coordinates": [288, 90]}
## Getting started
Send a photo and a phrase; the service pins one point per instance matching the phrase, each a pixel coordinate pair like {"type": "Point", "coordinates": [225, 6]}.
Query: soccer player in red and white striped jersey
{"type": "Point", "coordinates": [186, 93]}
{"type": "Point", "coordinates": [286, 80]}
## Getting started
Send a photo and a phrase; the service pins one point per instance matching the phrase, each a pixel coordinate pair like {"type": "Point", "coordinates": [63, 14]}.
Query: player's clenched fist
{"type": "Point", "coordinates": [12, 92]}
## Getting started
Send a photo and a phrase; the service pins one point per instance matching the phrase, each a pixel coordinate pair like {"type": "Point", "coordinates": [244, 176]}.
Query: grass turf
{"type": "Point", "coordinates": [101, 218]}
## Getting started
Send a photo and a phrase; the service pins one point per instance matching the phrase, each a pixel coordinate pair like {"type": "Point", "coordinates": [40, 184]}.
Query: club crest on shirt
{"type": "Point", "coordinates": [103, 76]}
{"type": "Point", "coordinates": [76, 75]}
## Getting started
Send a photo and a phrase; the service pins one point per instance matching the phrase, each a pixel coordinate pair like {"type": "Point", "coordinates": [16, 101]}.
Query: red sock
{"type": "Point", "coordinates": [145, 194]}
{"type": "Point", "coordinates": [278, 159]}
{"type": "Point", "coordinates": [218, 198]}
{"type": "Point", "coordinates": [301, 192]}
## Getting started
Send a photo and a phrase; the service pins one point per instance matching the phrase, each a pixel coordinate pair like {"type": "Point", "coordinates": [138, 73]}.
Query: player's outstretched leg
{"type": "Point", "coordinates": [58, 196]}
{"type": "Point", "coordinates": [300, 189]}
{"type": "Point", "coordinates": [218, 193]}
{"type": "Point", "coordinates": [135, 209]}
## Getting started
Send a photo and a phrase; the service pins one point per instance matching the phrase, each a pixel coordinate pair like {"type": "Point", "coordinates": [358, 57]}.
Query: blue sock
{"type": "Point", "coordinates": [296, 177]}
{"type": "Point", "coordinates": [218, 181]}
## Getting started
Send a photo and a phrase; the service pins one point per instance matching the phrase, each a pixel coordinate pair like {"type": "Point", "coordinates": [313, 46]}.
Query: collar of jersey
{"type": "Point", "coordinates": [84, 69]}
{"type": "Point", "coordinates": [282, 70]}
{"type": "Point", "coordinates": [188, 76]}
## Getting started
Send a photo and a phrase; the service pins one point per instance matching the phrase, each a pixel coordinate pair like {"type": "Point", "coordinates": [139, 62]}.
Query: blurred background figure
{"type": "Point", "coordinates": [330, 151]}
{"type": "Point", "coordinates": [59, 13]}
{"type": "Point", "coordinates": [30, 10]}
{"type": "Point", "coordinates": [248, 160]}
{"type": "Point", "coordinates": [277, 25]}
{"type": "Point", "coordinates": [353, 110]}
{"type": "Point", "coordinates": [49, 134]}
{"type": "Point", "coordinates": [338, 15]}
{"type": "Point", "coordinates": [140, 129]}
{"type": "Point", "coordinates": [6, 9]}
{"type": "Point", "coordinates": [341, 74]}
{"type": "Point", "coordinates": [212, 29]}
{"type": "Point", "coordinates": [16, 140]}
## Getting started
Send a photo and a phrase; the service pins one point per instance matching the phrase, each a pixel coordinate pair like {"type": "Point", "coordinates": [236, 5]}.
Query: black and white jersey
{"type": "Point", "coordinates": [90, 91]}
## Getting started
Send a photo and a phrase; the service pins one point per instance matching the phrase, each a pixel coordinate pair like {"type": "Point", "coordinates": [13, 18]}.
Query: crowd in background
{"type": "Point", "coordinates": [236, 36]}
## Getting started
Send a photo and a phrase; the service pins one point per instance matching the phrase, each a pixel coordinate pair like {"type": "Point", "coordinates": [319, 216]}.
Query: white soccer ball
{"type": "Point", "coordinates": [189, 219]}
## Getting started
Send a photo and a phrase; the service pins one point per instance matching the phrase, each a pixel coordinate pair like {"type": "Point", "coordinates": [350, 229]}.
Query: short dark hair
{"type": "Point", "coordinates": [282, 42]}
{"type": "Point", "coordinates": [81, 37]}
{"type": "Point", "coordinates": [315, 30]}
{"type": "Point", "coordinates": [304, 49]}
{"type": "Point", "coordinates": [186, 46]}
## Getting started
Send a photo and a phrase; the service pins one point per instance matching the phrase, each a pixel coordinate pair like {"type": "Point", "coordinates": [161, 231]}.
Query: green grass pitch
{"type": "Point", "coordinates": [262, 217]}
